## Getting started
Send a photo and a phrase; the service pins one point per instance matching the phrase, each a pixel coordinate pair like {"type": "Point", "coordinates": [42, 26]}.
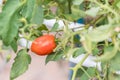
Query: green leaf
{"type": "Point", "coordinates": [92, 11]}
{"type": "Point", "coordinates": [28, 9]}
{"type": "Point", "coordinates": [55, 27]}
{"type": "Point", "coordinates": [37, 16]}
{"type": "Point", "coordinates": [115, 62]}
{"type": "Point", "coordinates": [14, 45]}
{"type": "Point", "coordinates": [109, 53]}
{"type": "Point", "coordinates": [79, 51]}
{"type": "Point", "coordinates": [95, 51]}
{"type": "Point", "coordinates": [54, 56]}
{"type": "Point", "coordinates": [9, 20]}
{"type": "Point", "coordinates": [118, 4]}
{"type": "Point", "coordinates": [76, 13]}
{"type": "Point", "coordinates": [43, 27]}
{"type": "Point", "coordinates": [77, 2]}
{"type": "Point", "coordinates": [100, 33]}
{"type": "Point", "coordinates": [91, 72]}
{"type": "Point", "coordinates": [74, 52]}
{"type": "Point", "coordinates": [22, 61]}
{"type": "Point", "coordinates": [87, 43]}
{"type": "Point", "coordinates": [80, 72]}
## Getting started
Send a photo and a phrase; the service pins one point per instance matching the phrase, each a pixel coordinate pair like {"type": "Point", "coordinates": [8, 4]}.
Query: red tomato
{"type": "Point", "coordinates": [43, 45]}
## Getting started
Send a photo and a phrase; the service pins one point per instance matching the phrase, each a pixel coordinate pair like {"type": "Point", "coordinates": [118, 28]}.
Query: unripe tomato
{"type": "Point", "coordinates": [43, 45]}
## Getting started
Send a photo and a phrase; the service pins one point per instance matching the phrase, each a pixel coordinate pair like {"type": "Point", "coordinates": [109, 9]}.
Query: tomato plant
{"type": "Point", "coordinates": [30, 19]}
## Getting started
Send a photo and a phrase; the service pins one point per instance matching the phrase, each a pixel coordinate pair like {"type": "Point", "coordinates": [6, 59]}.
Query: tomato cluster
{"type": "Point", "coordinates": [43, 45]}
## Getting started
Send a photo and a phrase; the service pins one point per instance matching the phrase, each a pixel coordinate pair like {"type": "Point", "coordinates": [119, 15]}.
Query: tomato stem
{"type": "Point", "coordinates": [79, 65]}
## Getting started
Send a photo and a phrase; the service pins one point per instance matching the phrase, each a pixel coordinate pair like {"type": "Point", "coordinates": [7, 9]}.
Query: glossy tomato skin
{"type": "Point", "coordinates": [43, 45]}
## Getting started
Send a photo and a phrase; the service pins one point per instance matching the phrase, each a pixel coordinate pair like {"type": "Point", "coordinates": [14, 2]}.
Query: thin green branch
{"type": "Point", "coordinates": [69, 6]}
{"type": "Point", "coordinates": [85, 72]}
{"type": "Point", "coordinates": [79, 65]}
{"type": "Point", "coordinates": [107, 8]}
{"type": "Point", "coordinates": [106, 2]}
